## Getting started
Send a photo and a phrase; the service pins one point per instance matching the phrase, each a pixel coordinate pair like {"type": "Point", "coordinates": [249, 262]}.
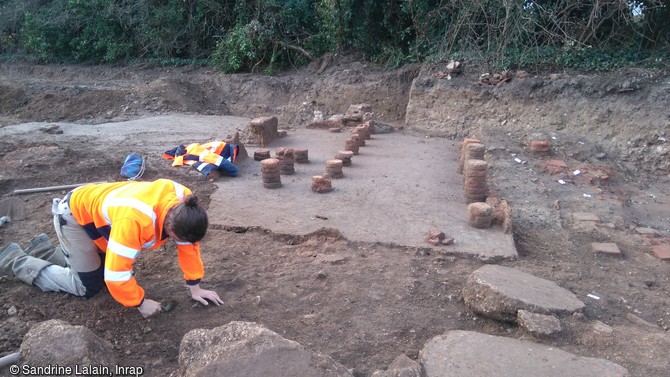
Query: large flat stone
{"type": "Point", "coordinates": [247, 349]}
{"type": "Point", "coordinates": [473, 354]}
{"type": "Point", "coordinates": [499, 292]}
{"type": "Point", "coordinates": [56, 342]}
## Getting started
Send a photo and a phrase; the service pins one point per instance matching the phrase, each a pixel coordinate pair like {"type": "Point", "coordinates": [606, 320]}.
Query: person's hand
{"type": "Point", "coordinates": [149, 308]}
{"type": "Point", "coordinates": [202, 295]}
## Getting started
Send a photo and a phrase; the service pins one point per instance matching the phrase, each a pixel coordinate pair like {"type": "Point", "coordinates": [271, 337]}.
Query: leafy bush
{"type": "Point", "coordinates": [270, 35]}
{"type": "Point", "coordinates": [80, 30]}
{"type": "Point", "coordinates": [272, 40]}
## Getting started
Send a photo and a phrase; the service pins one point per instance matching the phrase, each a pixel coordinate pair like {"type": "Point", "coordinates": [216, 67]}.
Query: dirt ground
{"type": "Point", "coordinates": [372, 300]}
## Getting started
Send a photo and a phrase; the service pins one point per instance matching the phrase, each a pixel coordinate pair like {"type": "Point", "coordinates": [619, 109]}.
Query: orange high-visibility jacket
{"type": "Point", "coordinates": [124, 218]}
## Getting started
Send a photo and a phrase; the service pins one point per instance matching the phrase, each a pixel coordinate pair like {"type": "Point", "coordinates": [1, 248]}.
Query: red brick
{"type": "Point", "coordinates": [662, 251]}
{"type": "Point", "coordinates": [555, 166]}
{"type": "Point", "coordinates": [540, 147]}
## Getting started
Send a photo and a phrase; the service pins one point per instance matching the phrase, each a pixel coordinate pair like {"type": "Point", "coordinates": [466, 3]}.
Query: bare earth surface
{"type": "Point", "coordinates": [348, 273]}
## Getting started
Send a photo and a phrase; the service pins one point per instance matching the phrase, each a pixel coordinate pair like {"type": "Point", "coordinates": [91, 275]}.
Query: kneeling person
{"type": "Point", "coordinates": [102, 228]}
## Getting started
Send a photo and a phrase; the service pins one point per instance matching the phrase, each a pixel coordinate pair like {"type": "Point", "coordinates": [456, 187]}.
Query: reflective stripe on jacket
{"type": "Point", "coordinates": [124, 218]}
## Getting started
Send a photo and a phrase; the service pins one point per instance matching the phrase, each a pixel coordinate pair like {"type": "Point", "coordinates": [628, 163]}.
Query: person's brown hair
{"type": "Point", "coordinates": [187, 220]}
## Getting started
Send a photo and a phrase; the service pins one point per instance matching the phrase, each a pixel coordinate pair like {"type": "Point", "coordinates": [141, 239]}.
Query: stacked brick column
{"type": "Point", "coordinates": [270, 173]}
{"type": "Point", "coordinates": [286, 160]}
{"type": "Point", "coordinates": [351, 145]}
{"type": "Point", "coordinates": [261, 154]}
{"type": "Point", "coordinates": [345, 156]}
{"type": "Point", "coordinates": [321, 184]}
{"type": "Point", "coordinates": [461, 153]}
{"type": "Point", "coordinates": [359, 139]}
{"type": "Point", "coordinates": [480, 215]}
{"type": "Point", "coordinates": [334, 168]}
{"type": "Point", "coordinates": [472, 151]}
{"type": "Point", "coordinates": [474, 183]}
{"type": "Point", "coordinates": [364, 131]}
{"type": "Point", "coordinates": [300, 155]}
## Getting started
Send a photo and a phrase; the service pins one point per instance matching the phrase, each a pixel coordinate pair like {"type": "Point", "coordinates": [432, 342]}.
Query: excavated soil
{"type": "Point", "coordinates": [364, 302]}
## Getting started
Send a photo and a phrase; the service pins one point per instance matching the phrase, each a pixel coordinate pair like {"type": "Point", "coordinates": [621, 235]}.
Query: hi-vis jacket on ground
{"type": "Point", "coordinates": [125, 218]}
{"type": "Point", "coordinates": [215, 155]}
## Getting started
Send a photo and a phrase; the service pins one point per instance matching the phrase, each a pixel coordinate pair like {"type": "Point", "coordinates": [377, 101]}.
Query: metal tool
{"type": "Point", "coordinates": [168, 305]}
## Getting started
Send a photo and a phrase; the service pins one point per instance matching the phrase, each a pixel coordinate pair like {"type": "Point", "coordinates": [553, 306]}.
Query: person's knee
{"type": "Point", "coordinates": [92, 291]}
{"type": "Point", "coordinates": [93, 281]}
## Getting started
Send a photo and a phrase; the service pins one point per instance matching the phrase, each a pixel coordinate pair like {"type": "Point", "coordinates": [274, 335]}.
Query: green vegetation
{"type": "Point", "coordinates": [272, 35]}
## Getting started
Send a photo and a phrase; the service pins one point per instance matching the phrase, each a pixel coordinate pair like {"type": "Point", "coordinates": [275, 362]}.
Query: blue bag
{"type": "Point", "coordinates": [133, 166]}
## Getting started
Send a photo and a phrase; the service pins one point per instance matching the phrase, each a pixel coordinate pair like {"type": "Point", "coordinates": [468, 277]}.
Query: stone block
{"type": "Point", "coordinates": [605, 248]}
{"type": "Point", "coordinates": [265, 129]}
{"type": "Point", "coordinates": [57, 342]}
{"type": "Point", "coordinates": [244, 349]}
{"type": "Point", "coordinates": [472, 354]}
{"type": "Point", "coordinates": [499, 292]}
{"type": "Point", "coordinates": [538, 324]}
{"type": "Point", "coordinates": [585, 216]}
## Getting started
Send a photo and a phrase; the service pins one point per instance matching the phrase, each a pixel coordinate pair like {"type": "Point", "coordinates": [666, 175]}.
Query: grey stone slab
{"type": "Point", "coordinates": [402, 366]}
{"type": "Point", "coordinates": [247, 349]}
{"type": "Point", "coordinates": [538, 324]}
{"type": "Point", "coordinates": [499, 292]}
{"type": "Point", "coordinates": [608, 248]}
{"type": "Point", "coordinates": [585, 216]}
{"type": "Point", "coordinates": [56, 342]}
{"type": "Point", "coordinates": [473, 354]}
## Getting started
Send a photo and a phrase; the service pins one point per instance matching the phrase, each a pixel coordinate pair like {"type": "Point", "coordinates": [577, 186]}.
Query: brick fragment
{"type": "Point", "coordinates": [554, 166]}
{"type": "Point", "coordinates": [661, 251]}
{"type": "Point", "coordinates": [540, 147]}
{"type": "Point", "coordinates": [435, 237]}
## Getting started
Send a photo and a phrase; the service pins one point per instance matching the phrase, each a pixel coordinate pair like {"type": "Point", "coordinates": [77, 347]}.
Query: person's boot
{"type": "Point", "coordinates": [7, 256]}
{"type": "Point", "coordinates": [13, 261]}
{"type": "Point", "coordinates": [41, 247]}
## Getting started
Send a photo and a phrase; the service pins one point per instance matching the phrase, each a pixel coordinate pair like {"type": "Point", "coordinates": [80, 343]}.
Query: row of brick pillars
{"type": "Point", "coordinates": [474, 168]}
{"type": "Point", "coordinates": [323, 183]}
{"type": "Point", "coordinates": [483, 210]}
{"type": "Point", "coordinates": [283, 163]}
